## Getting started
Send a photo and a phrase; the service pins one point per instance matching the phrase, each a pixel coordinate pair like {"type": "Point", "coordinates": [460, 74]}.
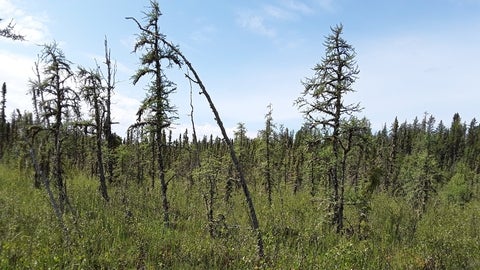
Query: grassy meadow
{"type": "Point", "coordinates": [128, 233]}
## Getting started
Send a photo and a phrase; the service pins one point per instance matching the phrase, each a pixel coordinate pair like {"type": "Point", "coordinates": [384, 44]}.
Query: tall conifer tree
{"type": "Point", "coordinates": [156, 110]}
{"type": "Point", "coordinates": [323, 104]}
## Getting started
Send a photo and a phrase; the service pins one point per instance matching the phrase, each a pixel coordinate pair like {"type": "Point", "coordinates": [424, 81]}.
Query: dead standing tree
{"type": "Point", "coordinates": [109, 79]}
{"type": "Point", "coordinates": [196, 79]}
{"type": "Point", "coordinates": [53, 98]}
{"type": "Point", "coordinates": [59, 101]}
{"type": "Point", "coordinates": [253, 216]}
{"type": "Point", "coordinates": [92, 91]}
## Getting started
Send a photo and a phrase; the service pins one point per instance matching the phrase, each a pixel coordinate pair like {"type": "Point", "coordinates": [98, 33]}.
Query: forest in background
{"type": "Point", "coordinates": [332, 195]}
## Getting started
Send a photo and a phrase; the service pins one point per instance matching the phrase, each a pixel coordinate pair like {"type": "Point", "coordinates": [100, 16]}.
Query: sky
{"type": "Point", "coordinates": [415, 57]}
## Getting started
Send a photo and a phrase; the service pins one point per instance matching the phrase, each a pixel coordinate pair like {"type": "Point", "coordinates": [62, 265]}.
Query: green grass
{"type": "Point", "coordinates": [128, 232]}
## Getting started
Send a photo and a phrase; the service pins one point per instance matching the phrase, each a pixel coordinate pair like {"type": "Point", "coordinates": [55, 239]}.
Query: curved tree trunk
{"type": "Point", "coordinates": [233, 155]}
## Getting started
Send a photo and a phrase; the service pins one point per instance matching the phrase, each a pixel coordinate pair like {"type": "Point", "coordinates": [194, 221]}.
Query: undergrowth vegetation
{"type": "Point", "coordinates": [128, 232]}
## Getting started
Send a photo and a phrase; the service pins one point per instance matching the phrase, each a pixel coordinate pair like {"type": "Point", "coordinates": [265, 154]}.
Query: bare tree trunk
{"type": "Point", "coordinates": [163, 183]}
{"type": "Point", "coordinates": [209, 200]}
{"type": "Point", "coordinates": [3, 121]}
{"type": "Point", "coordinates": [233, 155]}
{"type": "Point", "coordinates": [110, 80]}
{"type": "Point", "coordinates": [101, 171]}
{"type": "Point", "coordinates": [337, 209]}
{"type": "Point", "coordinates": [46, 182]}
{"type": "Point", "coordinates": [35, 85]}
{"type": "Point", "coordinates": [58, 170]}
{"type": "Point", "coordinates": [196, 160]}
{"type": "Point", "coordinates": [268, 175]}
{"type": "Point", "coordinates": [298, 174]}
{"type": "Point", "coordinates": [154, 154]}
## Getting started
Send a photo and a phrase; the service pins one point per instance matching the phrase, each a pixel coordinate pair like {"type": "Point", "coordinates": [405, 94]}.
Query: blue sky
{"type": "Point", "coordinates": [414, 56]}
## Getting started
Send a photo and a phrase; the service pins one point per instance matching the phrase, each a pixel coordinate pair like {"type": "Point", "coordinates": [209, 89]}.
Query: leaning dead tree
{"type": "Point", "coordinates": [196, 79]}
{"type": "Point", "coordinates": [233, 155]}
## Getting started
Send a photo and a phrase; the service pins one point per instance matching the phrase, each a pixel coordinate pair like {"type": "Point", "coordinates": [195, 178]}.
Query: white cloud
{"type": "Point", "coordinates": [256, 24]}
{"type": "Point", "coordinates": [203, 34]}
{"type": "Point", "coordinates": [126, 70]}
{"type": "Point", "coordinates": [264, 20]}
{"type": "Point", "coordinates": [128, 43]}
{"type": "Point", "coordinates": [326, 5]}
{"type": "Point", "coordinates": [410, 74]}
{"type": "Point", "coordinates": [124, 110]}
{"type": "Point", "coordinates": [298, 6]}
{"type": "Point", "coordinates": [203, 129]}
{"type": "Point", "coordinates": [16, 65]}
{"type": "Point", "coordinates": [15, 71]}
{"type": "Point", "coordinates": [8, 10]}
{"type": "Point", "coordinates": [33, 29]}
{"type": "Point", "coordinates": [277, 12]}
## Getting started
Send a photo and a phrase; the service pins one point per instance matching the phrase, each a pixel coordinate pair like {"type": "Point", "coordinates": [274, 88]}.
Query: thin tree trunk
{"type": "Point", "coordinates": [298, 174]}
{"type": "Point", "coordinates": [342, 192]}
{"type": "Point", "coordinates": [3, 121]}
{"type": "Point", "coordinates": [46, 182]}
{"type": "Point", "coordinates": [209, 200]}
{"type": "Point", "coordinates": [196, 161]}
{"type": "Point", "coordinates": [163, 183]}
{"type": "Point", "coordinates": [268, 175]}
{"type": "Point", "coordinates": [159, 129]}
{"type": "Point", "coordinates": [233, 155]}
{"type": "Point", "coordinates": [108, 119]}
{"type": "Point", "coordinates": [35, 85]}
{"type": "Point", "coordinates": [337, 210]}
{"type": "Point", "coordinates": [58, 160]}
{"type": "Point", "coordinates": [101, 171]}
{"type": "Point", "coordinates": [152, 167]}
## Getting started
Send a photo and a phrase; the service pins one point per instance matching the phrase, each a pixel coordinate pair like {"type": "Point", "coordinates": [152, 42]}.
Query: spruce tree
{"type": "Point", "coordinates": [268, 136]}
{"type": "Point", "coordinates": [323, 104]}
{"type": "Point", "coordinates": [156, 110]}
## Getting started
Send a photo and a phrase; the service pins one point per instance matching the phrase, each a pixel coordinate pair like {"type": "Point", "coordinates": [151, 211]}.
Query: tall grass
{"type": "Point", "coordinates": [128, 231]}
